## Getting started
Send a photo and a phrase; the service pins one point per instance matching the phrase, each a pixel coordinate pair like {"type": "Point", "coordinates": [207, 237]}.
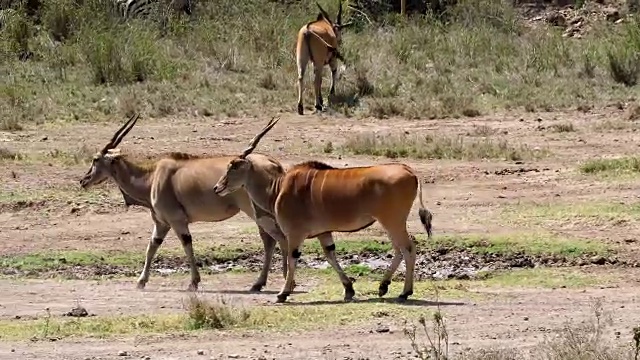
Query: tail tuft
{"type": "Point", "coordinates": [425, 218]}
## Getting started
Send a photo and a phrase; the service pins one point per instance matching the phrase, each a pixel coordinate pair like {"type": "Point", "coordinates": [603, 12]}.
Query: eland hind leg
{"type": "Point", "coordinates": [388, 275]}
{"type": "Point", "coordinates": [186, 240]}
{"type": "Point", "coordinates": [329, 248]}
{"type": "Point", "coordinates": [317, 86]}
{"type": "Point", "coordinates": [404, 245]}
{"type": "Point", "coordinates": [303, 61]}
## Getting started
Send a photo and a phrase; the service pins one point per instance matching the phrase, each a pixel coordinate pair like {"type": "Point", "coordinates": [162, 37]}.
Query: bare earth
{"type": "Point", "coordinates": [465, 197]}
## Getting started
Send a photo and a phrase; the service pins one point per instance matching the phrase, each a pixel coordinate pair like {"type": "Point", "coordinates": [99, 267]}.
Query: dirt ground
{"type": "Point", "coordinates": [42, 211]}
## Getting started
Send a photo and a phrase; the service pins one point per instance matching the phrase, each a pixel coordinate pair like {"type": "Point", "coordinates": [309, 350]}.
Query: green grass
{"type": "Point", "coordinates": [438, 146]}
{"type": "Point", "coordinates": [622, 166]}
{"type": "Point", "coordinates": [593, 214]}
{"type": "Point", "coordinates": [205, 312]}
{"type": "Point", "coordinates": [534, 244]}
{"type": "Point", "coordinates": [545, 278]}
{"type": "Point", "coordinates": [237, 57]}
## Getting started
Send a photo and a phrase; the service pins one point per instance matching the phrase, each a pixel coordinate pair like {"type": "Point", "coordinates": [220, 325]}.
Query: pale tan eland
{"type": "Point", "coordinates": [313, 199]}
{"type": "Point", "coordinates": [178, 190]}
{"type": "Point", "coordinates": [318, 42]}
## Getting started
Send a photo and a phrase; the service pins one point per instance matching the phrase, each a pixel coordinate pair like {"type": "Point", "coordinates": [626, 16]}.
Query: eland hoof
{"type": "Point", "coordinates": [193, 287]}
{"type": "Point", "coordinates": [300, 109]}
{"type": "Point", "coordinates": [281, 298]}
{"type": "Point", "coordinates": [349, 293]}
{"type": "Point", "coordinates": [403, 297]}
{"type": "Point", "coordinates": [383, 289]}
{"type": "Point", "coordinates": [141, 284]}
{"type": "Point", "coordinates": [256, 288]}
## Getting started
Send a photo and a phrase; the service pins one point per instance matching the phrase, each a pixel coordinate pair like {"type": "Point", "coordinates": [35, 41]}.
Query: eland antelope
{"type": "Point", "coordinates": [313, 199]}
{"type": "Point", "coordinates": [318, 42]}
{"type": "Point", "coordinates": [178, 190]}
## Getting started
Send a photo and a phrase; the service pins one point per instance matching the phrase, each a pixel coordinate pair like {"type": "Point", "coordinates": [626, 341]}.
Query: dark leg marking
{"type": "Point", "coordinates": [331, 247]}
{"type": "Point", "coordinates": [349, 293]}
{"type": "Point", "coordinates": [296, 254]}
{"type": "Point", "coordinates": [186, 239]}
{"type": "Point", "coordinates": [384, 288]}
{"type": "Point", "coordinates": [300, 109]}
{"type": "Point", "coordinates": [158, 241]}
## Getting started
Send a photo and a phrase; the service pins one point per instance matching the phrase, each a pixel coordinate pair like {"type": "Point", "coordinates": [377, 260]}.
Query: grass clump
{"type": "Point", "coordinates": [617, 166]}
{"type": "Point", "coordinates": [203, 314]}
{"type": "Point", "coordinates": [563, 127]}
{"type": "Point", "coordinates": [437, 147]}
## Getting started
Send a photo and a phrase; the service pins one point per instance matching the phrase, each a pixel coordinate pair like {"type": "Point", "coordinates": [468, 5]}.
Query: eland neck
{"type": "Point", "coordinates": [134, 180]}
{"type": "Point", "coordinates": [263, 187]}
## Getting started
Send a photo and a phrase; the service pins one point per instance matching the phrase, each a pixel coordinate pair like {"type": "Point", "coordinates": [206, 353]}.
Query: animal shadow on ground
{"type": "Point", "coordinates": [223, 291]}
{"type": "Point", "coordinates": [391, 300]}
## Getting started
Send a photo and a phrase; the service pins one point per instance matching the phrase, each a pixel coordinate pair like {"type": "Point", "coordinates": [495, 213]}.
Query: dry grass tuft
{"type": "Point", "coordinates": [563, 127]}
{"type": "Point", "coordinates": [219, 314]}
{"type": "Point", "coordinates": [632, 113]}
{"type": "Point", "coordinates": [8, 154]}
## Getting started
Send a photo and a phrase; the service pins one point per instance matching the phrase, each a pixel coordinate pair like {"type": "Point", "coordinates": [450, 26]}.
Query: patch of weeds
{"type": "Point", "coordinates": [10, 124]}
{"type": "Point", "coordinates": [624, 66]}
{"type": "Point", "coordinates": [482, 130]}
{"type": "Point", "coordinates": [534, 244]}
{"type": "Point", "coordinates": [81, 155]}
{"type": "Point", "coordinates": [593, 214]}
{"type": "Point", "coordinates": [438, 146]}
{"type": "Point", "coordinates": [219, 314]}
{"type": "Point", "coordinates": [616, 166]}
{"type": "Point", "coordinates": [613, 125]}
{"type": "Point", "coordinates": [267, 82]}
{"type": "Point", "coordinates": [563, 127]}
{"type": "Point", "coordinates": [632, 113]}
{"type": "Point", "coordinates": [7, 154]}
{"type": "Point", "coordinates": [584, 341]}
{"type": "Point", "coordinates": [328, 147]}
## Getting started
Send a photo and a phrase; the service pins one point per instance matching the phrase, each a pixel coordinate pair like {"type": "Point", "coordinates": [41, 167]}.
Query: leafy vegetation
{"type": "Point", "coordinates": [77, 61]}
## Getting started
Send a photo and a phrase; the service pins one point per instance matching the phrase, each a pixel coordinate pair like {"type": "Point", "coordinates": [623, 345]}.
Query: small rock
{"type": "Point", "coordinates": [78, 311]}
{"type": "Point", "coordinates": [146, 357]}
{"type": "Point", "coordinates": [598, 260]}
{"type": "Point", "coordinates": [233, 356]}
{"type": "Point", "coordinates": [526, 318]}
{"type": "Point", "coordinates": [123, 353]}
{"type": "Point", "coordinates": [382, 329]}
{"type": "Point", "coordinates": [200, 352]}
